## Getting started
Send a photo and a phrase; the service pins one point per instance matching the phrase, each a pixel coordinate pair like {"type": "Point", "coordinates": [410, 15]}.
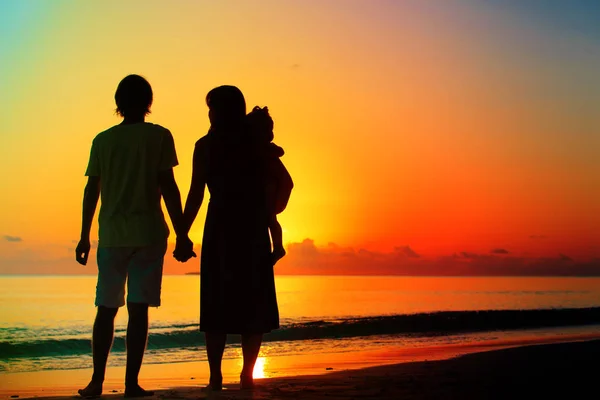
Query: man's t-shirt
{"type": "Point", "coordinates": [128, 158]}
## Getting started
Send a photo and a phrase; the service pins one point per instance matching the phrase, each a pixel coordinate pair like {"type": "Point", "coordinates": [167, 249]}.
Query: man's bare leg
{"type": "Point", "coordinates": [102, 339]}
{"type": "Point", "coordinates": [137, 337]}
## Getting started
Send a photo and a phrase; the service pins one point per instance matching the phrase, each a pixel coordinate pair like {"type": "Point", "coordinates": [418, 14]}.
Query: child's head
{"type": "Point", "coordinates": [133, 97]}
{"type": "Point", "coordinates": [260, 124]}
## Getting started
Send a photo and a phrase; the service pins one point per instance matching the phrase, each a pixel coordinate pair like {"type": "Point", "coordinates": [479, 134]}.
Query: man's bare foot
{"type": "Point", "coordinates": [246, 382]}
{"type": "Point", "coordinates": [214, 385]}
{"type": "Point", "coordinates": [212, 388]}
{"type": "Point", "coordinates": [137, 391]}
{"type": "Point", "coordinates": [278, 254]}
{"type": "Point", "coordinates": [93, 389]}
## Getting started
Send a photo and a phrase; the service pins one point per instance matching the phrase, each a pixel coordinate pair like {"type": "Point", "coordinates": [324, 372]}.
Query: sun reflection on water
{"type": "Point", "coordinates": [259, 368]}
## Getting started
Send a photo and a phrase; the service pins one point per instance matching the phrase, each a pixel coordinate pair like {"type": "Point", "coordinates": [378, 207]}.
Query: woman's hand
{"type": "Point", "coordinates": [184, 249]}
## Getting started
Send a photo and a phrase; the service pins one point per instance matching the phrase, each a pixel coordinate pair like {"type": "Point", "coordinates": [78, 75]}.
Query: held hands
{"type": "Point", "coordinates": [82, 251]}
{"type": "Point", "coordinates": [184, 249]}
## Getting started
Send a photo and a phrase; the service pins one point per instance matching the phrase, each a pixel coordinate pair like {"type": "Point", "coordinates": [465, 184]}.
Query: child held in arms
{"type": "Point", "coordinates": [278, 182]}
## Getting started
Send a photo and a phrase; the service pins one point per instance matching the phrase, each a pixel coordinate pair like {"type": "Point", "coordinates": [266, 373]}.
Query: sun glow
{"type": "Point", "coordinates": [448, 136]}
{"type": "Point", "coordinates": [259, 368]}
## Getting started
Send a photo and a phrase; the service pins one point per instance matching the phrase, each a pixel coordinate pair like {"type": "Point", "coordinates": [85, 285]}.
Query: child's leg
{"type": "Point", "coordinates": [277, 238]}
{"type": "Point", "coordinates": [276, 232]}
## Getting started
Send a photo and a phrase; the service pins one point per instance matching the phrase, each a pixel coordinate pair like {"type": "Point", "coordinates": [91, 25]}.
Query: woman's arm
{"type": "Point", "coordinates": [196, 193]}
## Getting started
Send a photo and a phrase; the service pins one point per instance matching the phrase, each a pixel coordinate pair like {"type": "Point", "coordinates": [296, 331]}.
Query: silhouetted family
{"type": "Point", "coordinates": [131, 169]}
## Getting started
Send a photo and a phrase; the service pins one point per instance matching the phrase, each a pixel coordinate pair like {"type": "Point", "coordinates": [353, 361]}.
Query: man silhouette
{"type": "Point", "coordinates": [130, 167]}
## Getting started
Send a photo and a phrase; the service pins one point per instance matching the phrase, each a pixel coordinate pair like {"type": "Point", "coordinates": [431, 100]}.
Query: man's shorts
{"type": "Point", "coordinates": [140, 267]}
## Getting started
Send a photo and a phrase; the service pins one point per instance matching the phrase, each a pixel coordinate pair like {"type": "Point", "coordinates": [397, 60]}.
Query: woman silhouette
{"type": "Point", "coordinates": [237, 286]}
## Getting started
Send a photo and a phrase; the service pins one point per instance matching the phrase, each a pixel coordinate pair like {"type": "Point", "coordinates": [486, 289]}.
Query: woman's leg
{"type": "Point", "coordinates": [215, 345]}
{"type": "Point", "coordinates": [250, 348]}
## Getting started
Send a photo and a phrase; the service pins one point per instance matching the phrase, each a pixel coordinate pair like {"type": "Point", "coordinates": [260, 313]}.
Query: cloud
{"type": "Point", "coordinates": [59, 258]}
{"type": "Point", "coordinates": [565, 257]}
{"type": "Point", "coordinates": [305, 249]}
{"type": "Point", "coordinates": [42, 258]}
{"type": "Point", "coordinates": [306, 258]}
{"type": "Point", "coordinates": [499, 251]}
{"type": "Point", "coordinates": [9, 238]}
{"type": "Point", "coordinates": [407, 251]}
{"type": "Point", "coordinates": [466, 254]}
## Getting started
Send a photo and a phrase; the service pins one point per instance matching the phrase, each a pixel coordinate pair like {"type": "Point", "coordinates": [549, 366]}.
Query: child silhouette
{"type": "Point", "coordinates": [277, 180]}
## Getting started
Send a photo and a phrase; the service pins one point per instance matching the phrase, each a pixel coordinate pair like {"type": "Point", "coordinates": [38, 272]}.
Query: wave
{"type": "Point", "coordinates": [439, 323]}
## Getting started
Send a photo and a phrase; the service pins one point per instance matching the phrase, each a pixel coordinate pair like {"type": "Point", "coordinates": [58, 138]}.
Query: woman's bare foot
{"type": "Point", "coordinates": [137, 391]}
{"type": "Point", "coordinates": [93, 389]}
{"type": "Point", "coordinates": [278, 254]}
{"type": "Point", "coordinates": [246, 382]}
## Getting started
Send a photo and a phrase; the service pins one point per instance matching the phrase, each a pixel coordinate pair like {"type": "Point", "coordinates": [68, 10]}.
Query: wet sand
{"type": "Point", "coordinates": [532, 369]}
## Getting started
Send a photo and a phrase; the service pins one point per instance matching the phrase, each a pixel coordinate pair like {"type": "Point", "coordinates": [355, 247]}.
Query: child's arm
{"type": "Point", "coordinates": [91, 194]}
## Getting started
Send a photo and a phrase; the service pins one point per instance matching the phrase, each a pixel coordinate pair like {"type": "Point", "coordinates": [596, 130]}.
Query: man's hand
{"type": "Point", "coordinates": [91, 194]}
{"type": "Point", "coordinates": [184, 249]}
{"type": "Point", "coordinates": [82, 251]}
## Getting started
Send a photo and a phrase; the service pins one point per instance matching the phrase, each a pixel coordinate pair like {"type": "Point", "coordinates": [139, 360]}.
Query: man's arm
{"type": "Point", "coordinates": [184, 248]}
{"type": "Point", "coordinates": [91, 194]}
{"type": "Point", "coordinates": [172, 197]}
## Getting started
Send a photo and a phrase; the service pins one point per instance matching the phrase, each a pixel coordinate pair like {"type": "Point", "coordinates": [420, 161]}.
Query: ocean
{"type": "Point", "coordinates": [46, 321]}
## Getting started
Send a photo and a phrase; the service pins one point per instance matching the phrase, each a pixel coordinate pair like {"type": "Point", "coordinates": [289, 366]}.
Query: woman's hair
{"type": "Point", "coordinates": [226, 104]}
{"type": "Point", "coordinates": [133, 96]}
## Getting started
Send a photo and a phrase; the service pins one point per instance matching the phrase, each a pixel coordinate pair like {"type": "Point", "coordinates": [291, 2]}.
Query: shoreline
{"type": "Point", "coordinates": [184, 380]}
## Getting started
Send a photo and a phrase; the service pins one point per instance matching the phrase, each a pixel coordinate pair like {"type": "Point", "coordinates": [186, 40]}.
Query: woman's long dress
{"type": "Point", "coordinates": [237, 285]}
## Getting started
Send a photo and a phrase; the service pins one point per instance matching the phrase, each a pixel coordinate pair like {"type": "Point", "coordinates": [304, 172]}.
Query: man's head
{"type": "Point", "coordinates": [133, 97]}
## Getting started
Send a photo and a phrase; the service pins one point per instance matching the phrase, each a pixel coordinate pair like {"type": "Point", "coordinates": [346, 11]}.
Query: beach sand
{"type": "Point", "coordinates": [532, 369]}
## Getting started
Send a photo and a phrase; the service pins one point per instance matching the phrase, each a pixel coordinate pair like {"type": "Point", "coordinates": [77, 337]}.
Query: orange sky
{"type": "Point", "coordinates": [445, 126]}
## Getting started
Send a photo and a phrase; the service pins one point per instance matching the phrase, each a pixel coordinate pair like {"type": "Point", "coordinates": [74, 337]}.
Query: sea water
{"type": "Point", "coordinates": [46, 321]}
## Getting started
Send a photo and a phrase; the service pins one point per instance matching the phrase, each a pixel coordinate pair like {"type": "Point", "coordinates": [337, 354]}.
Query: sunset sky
{"type": "Point", "coordinates": [423, 136]}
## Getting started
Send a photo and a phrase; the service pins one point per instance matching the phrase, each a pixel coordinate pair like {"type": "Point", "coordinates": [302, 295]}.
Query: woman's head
{"type": "Point", "coordinates": [133, 97]}
{"type": "Point", "coordinates": [226, 105]}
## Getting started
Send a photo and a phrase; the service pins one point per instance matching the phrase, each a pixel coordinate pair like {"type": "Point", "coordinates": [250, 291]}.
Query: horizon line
{"type": "Point", "coordinates": [334, 275]}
